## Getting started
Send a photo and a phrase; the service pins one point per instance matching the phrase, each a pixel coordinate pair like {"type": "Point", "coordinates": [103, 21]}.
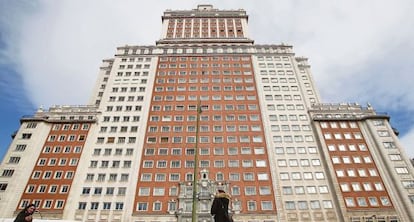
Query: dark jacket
{"type": "Point", "coordinates": [220, 207]}
{"type": "Point", "coordinates": [21, 217]}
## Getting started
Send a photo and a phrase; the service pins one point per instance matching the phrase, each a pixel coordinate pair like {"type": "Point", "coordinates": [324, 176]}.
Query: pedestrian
{"type": "Point", "coordinates": [26, 214]}
{"type": "Point", "coordinates": [220, 207]}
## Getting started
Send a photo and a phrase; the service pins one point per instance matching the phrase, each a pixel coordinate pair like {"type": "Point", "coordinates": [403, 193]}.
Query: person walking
{"type": "Point", "coordinates": [26, 214]}
{"type": "Point", "coordinates": [220, 207]}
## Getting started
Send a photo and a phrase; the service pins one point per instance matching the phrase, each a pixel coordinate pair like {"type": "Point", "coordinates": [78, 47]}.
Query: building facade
{"type": "Point", "coordinates": [206, 109]}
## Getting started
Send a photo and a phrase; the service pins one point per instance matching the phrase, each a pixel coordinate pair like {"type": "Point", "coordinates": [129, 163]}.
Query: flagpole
{"type": "Point", "coordinates": [194, 210]}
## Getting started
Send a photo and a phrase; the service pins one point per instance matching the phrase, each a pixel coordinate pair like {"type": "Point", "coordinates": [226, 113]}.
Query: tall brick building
{"type": "Point", "coordinates": [206, 109]}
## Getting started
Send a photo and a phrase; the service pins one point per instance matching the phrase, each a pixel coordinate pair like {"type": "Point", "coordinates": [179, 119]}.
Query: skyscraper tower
{"type": "Point", "coordinates": [207, 109]}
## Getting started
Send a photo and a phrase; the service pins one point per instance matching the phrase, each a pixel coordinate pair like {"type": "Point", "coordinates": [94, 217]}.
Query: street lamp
{"type": "Point", "coordinates": [194, 210]}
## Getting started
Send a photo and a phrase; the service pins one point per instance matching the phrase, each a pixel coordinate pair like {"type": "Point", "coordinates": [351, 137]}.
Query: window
{"type": "Point", "coordinates": [36, 174]}
{"type": "Point", "coordinates": [157, 206]}
{"type": "Point", "coordinates": [314, 204]}
{"type": "Point", "coordinates": [59, 204]}
{"type": "Point", "coordinates": [259, 150]}
{"type": "Point", "coordinates": [47, 204]}
{"type": "Point", "coordinates": [307, 176]}
{"type": "Point", "coordinates": [41, 189]}
{"type": "Point", "coordinates": [357, 159]}
{"type": "Point", "coordinates": [362, 173]}
{"type": "Point", "coordinates": [267, 205]}
{"type": "Point", "coordinates": [401, 170]}
{"type": "Point", "coordinates": [89, 177]}
{"type": "Point", "coordinates": [248, 176]}
{"type": "Point", "coordinates": [247, 163]}
{"type": "Point", "coordinates": [26, 135]}
{"type": "Point", "coordinates": [104, 164]}
{"type": "Point", "coordinates": [386, 202]}
{"type": "Point", "coordinates": [98, 191]}
{"type": "Point", "coordinates": [408, 183]}
{"type": "Point", "coordinates": [97, 152]}
{"type": "Point", "coordinates": [58, 174]}
{"type": "Point", "coordinates": [287, 190]}
{"type": "Point", "coordinates": [299, 190]}
{"type": "Point", "coordinates": [21, 147]}
{"type": "Point", "coordinates": [373, 201]}
{"type": "Point", "coordinates": [349, 201]}
{"type": "Point", "coordinates": [219, 163]}
{"type": "Point", "coordinates": [290, 205]}
{"type": "Point", "coordinates": [30, 188]}
{"type": "Point", "coordinates": [327, 204]}
{"type": "Point", "coordinates": [94, 205]}
{"type": "Point", "coordinates": [395, 157]}
{"type": "Point", "coordinates": [250, 190]}
{"type": "Point", "coordinates": [302, 205]}
{"type": "Point", "coordinates": [3, 186]}
{"type": "Point", "coordinates": [323, 189]}
{"type": "Point", "coordinates": [345, 187]}
{"type": "Point", "coordinates": [282, 163]}
{"type": "Point", "coordinates": [246, 150]}
{"type": "Point", "coordinates": [101, 177]}
{"type": "Point", "coordinates": [160, 177]}
{"type": "Point", "coordinates": [389, 145]}
{"type": "Point", "coordinates": [14, 159]}
{"type": "Point", "coordinates": [362, 202]}
{"type": "Point", "coordinates": [284, 176]}
{"type": "Point", "coordinates": [383, 133]}
{"type": "Point", "coordinates": [235, 190]}
{"type": "Point", "coordinates": [144, 191]}
{"type": "Point", "coordinates": [121, 191]}
{"type": "Point", "coordinates": [362, 147]}
{"type": "Point", "coordinates": [106, 206]}
{"type": "Point", "coordinates": [312, 150]}
{"type": "Point", "coordinates": [81, 205]}
{"type": "Point", "coordinates": [158, 191]}
{"type": "Point", "coordinates": [319, 176]}
{"type": "Point", "coordinates": [311, 189]}
{"type": "Point", "coordinates": [262, 176]}
{"type": "Point", "coordinates": [367, 186]}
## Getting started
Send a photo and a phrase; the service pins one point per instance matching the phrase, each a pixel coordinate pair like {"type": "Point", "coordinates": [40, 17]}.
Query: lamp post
{"type": "Point", "coordinates": [194, 210]}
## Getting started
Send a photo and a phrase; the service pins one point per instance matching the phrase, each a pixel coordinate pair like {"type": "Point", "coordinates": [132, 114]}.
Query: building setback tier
{"type": "Point", "coordinates": [202, 110]}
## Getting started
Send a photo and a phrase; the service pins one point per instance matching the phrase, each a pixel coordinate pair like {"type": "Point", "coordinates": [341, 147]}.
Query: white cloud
{"type": "Point", "coordinates": [351, 49]}
{"type": "Point", "coordinates": [359, 50]}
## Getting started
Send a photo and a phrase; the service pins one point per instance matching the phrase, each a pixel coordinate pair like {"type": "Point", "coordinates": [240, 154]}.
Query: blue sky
{"type": "Point", "coordinates": [15, 104]}
{"type": "Point", "coordinates": [360, 51]}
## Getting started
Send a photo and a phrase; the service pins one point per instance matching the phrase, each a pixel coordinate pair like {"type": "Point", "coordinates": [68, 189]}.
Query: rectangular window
{"type": "Point", "coordinates": [401, 170]}
{"type": "Point", "coordinates": [26, 135]}
{"type": "Point", "coordinates": [395, 157]}
{"type": "Point", "coordinates": [142, 206]}
{"type": "Point", "coordinates": [14, 160]}
{"type": "Point", "coordinates": [21, 147]}
{"type": "Point", "coordinates": [290, 205]}
{"type": "Point", "coordinates": [3, 186]}
{"type": "Point", "coordinates": [250, 190]}
{"type": "Point", "coordinates": [81, 205]}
